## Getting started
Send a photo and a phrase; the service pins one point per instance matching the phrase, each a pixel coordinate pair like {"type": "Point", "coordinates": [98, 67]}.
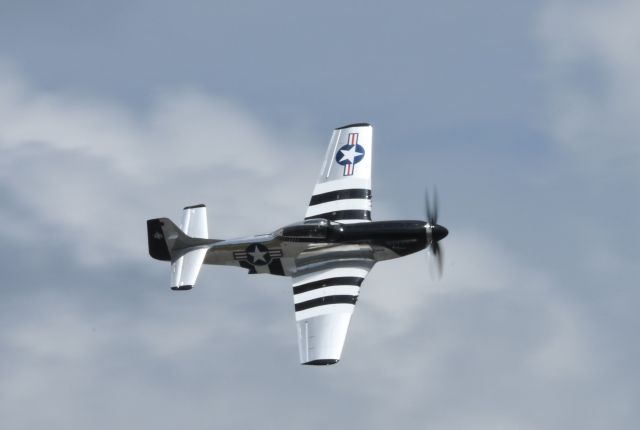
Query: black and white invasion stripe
{"type": "Point", "coordinates": [342, 289]}
{"type": "Point", "coordinates": [328, 291]}
{"type": "Point", "coordinates": [350, 204]}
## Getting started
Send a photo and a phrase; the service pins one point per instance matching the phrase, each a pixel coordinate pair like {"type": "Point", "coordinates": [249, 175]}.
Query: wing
{"type": "Point", "coordinates": [343, 191]}
{"type": "Point", "coordinates": [324, 296]}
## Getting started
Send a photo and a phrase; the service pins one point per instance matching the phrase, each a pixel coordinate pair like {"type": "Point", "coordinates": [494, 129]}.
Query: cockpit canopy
{"type": "Point", "coordinates": [315, 228]}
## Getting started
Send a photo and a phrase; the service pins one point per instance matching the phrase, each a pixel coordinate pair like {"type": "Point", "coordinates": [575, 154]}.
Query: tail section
{"type": "Point", "coordinates": [185, 247]}
{"type": "Point", "coordinates": [164, 238]}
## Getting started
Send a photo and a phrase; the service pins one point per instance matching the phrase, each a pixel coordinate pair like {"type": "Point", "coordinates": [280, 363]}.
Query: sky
{"type": "Point", "coordinates": [525, 115]}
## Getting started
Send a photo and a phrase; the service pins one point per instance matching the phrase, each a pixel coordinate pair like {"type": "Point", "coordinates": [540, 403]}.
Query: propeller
{"type": "Point", "coordinates": [432, 211]}
{"type": "Point", "coordinates": [435, 231]}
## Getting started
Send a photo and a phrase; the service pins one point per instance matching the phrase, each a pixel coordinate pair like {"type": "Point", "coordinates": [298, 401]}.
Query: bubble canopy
{"type": "Point", "coordinates": [315, 228]}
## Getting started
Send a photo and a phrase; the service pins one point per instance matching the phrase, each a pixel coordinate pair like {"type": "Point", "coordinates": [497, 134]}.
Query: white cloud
{"type": "Point", "coordinates": [590, 52]}
{"type": "Point", "coordinates": [565, 352]}
{"type": "Point", "coordinates": [400, 291]}
{"type": "Point", "coordinates": [97, 171]}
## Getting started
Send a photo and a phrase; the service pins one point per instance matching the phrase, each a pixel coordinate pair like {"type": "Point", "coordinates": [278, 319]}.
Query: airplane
{"type": "Point", "coordinates": [327, 255]}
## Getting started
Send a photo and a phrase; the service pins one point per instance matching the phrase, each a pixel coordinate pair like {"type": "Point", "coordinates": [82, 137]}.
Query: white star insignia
{"type": "Point", "coordinates": [258, 255]}
{"type": "Point", "coordinates": [350, 154]}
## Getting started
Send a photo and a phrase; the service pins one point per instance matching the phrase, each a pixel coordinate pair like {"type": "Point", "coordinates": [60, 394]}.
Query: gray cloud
{"type": "Point", "coordinates": [95, 171]}
{"type": "Point", "coordinates": [533, 325]}
{"type": "Point", "coordinates": [94, 328]}
{"type": "Point", "coordinates": [591, 71]}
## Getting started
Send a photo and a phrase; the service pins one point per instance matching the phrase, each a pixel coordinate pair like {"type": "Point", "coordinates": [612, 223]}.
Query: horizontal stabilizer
{"type": "Point", "coordinates": [194, 221]}
{"type": "Point", "coordinates": [185, 269]}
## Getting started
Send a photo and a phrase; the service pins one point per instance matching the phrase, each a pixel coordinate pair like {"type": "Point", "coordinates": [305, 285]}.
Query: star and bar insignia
{"type": "Point", "coordinates": [350, 154]}
{"type": "Point", "coordinates": [257, 255]}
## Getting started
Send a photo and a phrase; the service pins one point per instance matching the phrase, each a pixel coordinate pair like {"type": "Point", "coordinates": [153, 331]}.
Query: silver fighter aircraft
{"type": "Point", "coordinates": [327, 255]}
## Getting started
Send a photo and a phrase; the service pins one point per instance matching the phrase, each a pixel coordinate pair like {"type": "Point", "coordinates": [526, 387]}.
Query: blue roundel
{"type": "Point", "coordinates": [349, 154]}
{"type": "Point", "coordinates": [258, 254]}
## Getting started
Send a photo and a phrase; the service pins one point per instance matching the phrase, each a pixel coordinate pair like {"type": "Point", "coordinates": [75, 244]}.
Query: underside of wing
{"type": "Point", "coordinates": [343, 191]}
{"type": "Point", "coordinates": [324, 295]}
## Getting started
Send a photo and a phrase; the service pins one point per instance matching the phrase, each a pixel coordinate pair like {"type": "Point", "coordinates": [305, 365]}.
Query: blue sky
{"type": "Point", "coordinates": [524, 115]}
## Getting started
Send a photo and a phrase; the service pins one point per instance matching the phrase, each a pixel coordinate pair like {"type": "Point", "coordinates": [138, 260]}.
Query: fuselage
{"type": "Point", "coordinates": [275, 253]}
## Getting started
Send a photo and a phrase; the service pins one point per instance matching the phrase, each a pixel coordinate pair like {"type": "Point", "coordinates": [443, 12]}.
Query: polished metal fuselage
{"type": "Point", "coordinates": [376, 241]}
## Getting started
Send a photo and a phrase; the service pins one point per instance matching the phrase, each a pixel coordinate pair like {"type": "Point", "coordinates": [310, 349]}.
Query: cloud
{"type": "Point", "coordinates": [97, 170]}
{"type": "Point", "coordinates": [93, 337]}
{"type": "Point", "coordinates": [589, 52]}
{"type": "Point", "coordinates": [475, 264]}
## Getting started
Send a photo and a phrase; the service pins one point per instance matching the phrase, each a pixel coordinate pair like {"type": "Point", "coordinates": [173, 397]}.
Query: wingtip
{"type": "Point", "coordinates": [182, 288]}
{"type": "Point", "coordinates": [357, 124]}
{"type": "Point", "coordinates": [201, 205]}
{"type": "Point", "coordinates": [324, 362]}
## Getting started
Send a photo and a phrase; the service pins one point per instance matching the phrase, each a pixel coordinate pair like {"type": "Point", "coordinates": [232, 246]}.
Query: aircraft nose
{"type": "Point", "coordinates": [439, 232]}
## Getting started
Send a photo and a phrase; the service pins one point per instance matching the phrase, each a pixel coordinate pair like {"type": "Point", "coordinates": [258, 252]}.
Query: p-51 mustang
{"type": "Point", "coordinates": [328, 255]}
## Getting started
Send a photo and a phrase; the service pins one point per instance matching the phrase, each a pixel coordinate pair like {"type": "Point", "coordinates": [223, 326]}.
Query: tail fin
{"type": "Point", "coordinates": [186, 248]}
{"type": "Point", "coordinates": [165, 238]}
